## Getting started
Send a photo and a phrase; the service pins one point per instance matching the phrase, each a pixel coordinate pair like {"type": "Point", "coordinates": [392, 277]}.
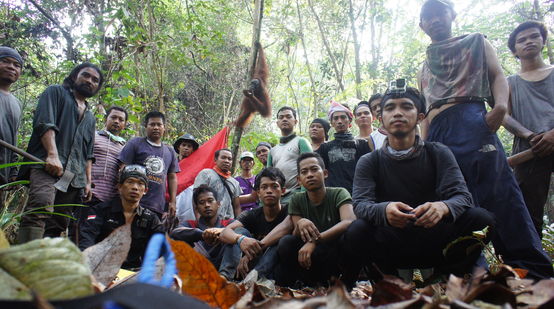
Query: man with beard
{"type": "Point", "coordinates": [283, 156]}
{"type": "Point", "coordinates": [319, 132]}
{"type": "Point", "coordinates": [341, 154]}
{"type": "Point", "coordinates": [459, 76]}
{"type": "Point", "coordinates": [219, 178]}
{"type": "Point", "coordinates": [11, 65]}
{"type": "Point", "coordinates": [63, 136]}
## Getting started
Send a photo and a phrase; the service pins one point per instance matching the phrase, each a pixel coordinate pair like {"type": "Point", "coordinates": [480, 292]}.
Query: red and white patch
{"type": "Point", "coordinates": [91, 217]}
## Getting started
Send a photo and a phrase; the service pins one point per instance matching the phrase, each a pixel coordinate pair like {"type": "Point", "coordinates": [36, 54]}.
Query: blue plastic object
{"type": "Point", "coordinates": [158, 246]}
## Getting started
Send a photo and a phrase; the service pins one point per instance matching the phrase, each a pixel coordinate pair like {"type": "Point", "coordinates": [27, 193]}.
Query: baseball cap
{"type": "Point", "coordinates": [246, 154]}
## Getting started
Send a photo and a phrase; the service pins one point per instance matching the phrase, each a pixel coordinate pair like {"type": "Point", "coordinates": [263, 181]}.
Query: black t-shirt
{"type": "Point", "coordinates": [254, 221]}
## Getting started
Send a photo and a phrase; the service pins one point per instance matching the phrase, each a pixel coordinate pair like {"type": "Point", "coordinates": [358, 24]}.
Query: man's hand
{"type": "Point", "coordinates": [430, 213]}
{"type": "Point", "coordinates": [495, 117]}
{"type": "Point", "coordinates": [399, 214]}
{"type": "Point", "coordinates": [307, 229]}
{"type": "Point", "coordinates": [242, 268]}
{"type": "Point", "coordinates": [211, 235]}
{"type": "Point", "coordinates": [251, 247]}
{"type": "Point", "coordinates": [543, 144]}
{"type": "Point", "coordinates": [172, 209]}
{"type": "Point", "coordinates": [53, 166]}
{"type": "Point", "coordinates": [305, 255]}
{"type": "Point", "coordinates": [88, 192]}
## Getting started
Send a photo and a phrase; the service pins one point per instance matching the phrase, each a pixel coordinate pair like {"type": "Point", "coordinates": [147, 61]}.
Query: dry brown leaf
{"type": "Point", "coordinates": [390, 290]}
{"type": "Point", "coordinates": [338, 297]}
{"type": "Point", "coordinates": [106, 257]}
{"type": "Point", "coordinates": [538, 294]}
{"type": "Point", "coordinates": [201, 279]}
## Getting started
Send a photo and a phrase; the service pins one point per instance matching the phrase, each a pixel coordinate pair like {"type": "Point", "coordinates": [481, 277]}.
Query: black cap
{"type": "Point", "coordinates": [266, 144]}
{"type": "Point", "coordinates": [326, 126]}
{"type": "Point", "coordinates": [134, 170]}
{"type": "Point", "coordinates": [185, 138]}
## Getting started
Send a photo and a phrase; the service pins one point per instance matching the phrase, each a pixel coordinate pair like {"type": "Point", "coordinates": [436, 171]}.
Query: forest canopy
{"type": "Point", "coordinates": [189, 58]}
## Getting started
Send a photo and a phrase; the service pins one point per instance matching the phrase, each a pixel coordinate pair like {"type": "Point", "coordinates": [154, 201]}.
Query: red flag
{"type": "Point", "coordinates": [202, 158]}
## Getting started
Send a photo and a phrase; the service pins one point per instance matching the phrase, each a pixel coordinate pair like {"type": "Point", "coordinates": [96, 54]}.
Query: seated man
{"type": "Point", "coordinates": [203, 234]}
{"type": "Point", "coordinates": [412, 198]}
{"type": "Point", "coordinates": [101, 219]}
{"type": "Point", "coordinates": [260, 250]}
{"type": "Point", "coordinates": [321, 217]}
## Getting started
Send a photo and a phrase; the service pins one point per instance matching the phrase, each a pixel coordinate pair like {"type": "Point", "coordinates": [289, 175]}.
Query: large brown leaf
{"type": "Point", "coordinates": [106, 257]}
{"type": "Point", "coordinates": [201, 279]}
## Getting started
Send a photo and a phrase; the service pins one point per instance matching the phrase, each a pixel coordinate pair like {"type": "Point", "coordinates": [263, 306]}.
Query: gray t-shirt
{"type": "Point", "coordinates": [532, 106]}
{"type": "Point", "coordinates": [9, 125]}
{"type": "Point", "coordinates": [212, 179]}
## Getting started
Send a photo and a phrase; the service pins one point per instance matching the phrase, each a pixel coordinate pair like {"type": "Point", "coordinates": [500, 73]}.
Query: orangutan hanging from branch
{"type": "Point", "coordinates": [256, 98]}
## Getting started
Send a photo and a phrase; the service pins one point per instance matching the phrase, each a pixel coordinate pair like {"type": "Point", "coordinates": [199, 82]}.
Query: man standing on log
{"type": "Point", "coordinates": [458, 77]}
{"type": "Point", "coordinates": [532, 116]}
{"type": "Point", "coordinates": [63, 136]}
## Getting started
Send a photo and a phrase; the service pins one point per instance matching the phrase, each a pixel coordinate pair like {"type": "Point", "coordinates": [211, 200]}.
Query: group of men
{"type": "Point", "coordinates": [394, 196]}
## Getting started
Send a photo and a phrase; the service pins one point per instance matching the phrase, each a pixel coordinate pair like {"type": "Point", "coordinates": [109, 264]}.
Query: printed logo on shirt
{"type": "Point", "coordinates": [155, 167]}
{"type": "Point", "coordinates": [91, 217]}
{"type": "Point", "coordinates": [111, 221]}
{"type": "Point", "coordinates": [342, 154]}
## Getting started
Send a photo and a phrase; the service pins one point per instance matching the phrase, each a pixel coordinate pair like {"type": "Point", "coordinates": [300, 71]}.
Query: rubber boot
{"type": "Point", "coordinates": [28, 233]}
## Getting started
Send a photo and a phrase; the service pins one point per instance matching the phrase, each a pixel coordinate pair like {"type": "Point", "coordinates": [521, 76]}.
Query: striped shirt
{"type": "Point", "coordinates": [105, 168]}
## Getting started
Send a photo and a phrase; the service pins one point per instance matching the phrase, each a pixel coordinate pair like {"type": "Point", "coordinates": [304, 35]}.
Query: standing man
{"type": "Point", "coordinates": [63, 136]}
{"type": "Point", "coordinates": [284, 155]}
{"type": "Point", "coordinates": [321, 217]}
{"type": "Point", "coordinates": [219, 178]}
{"type": "Point", "coordinates": [11, 65]}
{"type": "Point", "coordinates": [377, 136]}
{"type": "Point", "coordinates": [108, 143]}
{"type": "Point", "coordinates": [364, 120]}
{"type": "Point", "coordinates": [459, 75]}
{"type": "Point", "coordinates": [341, 154]}
{"type": "Point", "coordinates": [185, 145]}
{"type": "Point", "coordinates": [262, 152]}
{"type": "Point", "coordinates": [246, 178]}
{"type": "Point", "coordinates": [319, 132]}
{"type": "Point", "coordinates": [160, 161]}
{"type": "Point", "coordinates": [532, 109]}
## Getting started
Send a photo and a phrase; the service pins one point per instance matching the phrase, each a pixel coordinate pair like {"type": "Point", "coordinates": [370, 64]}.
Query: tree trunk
{"type": "Point", "coordinates": [70, 52]}
{"type": "Point", "coordinates": [310, 74]}
{"type": "Point", "coordinates": [356, 50]}
{"type": "Point", "coordinates": [327, 47]}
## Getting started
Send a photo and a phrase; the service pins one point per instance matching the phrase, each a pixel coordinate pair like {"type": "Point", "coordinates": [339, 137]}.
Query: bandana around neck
{"type": "Point", "coordinates": [286, 139]}
{"type": "Point", "coordinates": [222, 173]}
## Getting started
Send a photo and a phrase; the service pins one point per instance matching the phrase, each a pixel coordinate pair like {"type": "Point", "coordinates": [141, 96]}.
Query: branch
{"type": "Point", "coordinates": [69, 39]}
